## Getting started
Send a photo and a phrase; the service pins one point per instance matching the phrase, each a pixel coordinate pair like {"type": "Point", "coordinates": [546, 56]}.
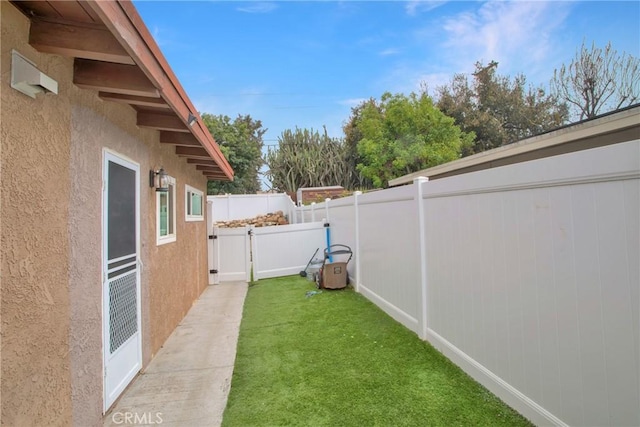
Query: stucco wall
{"type": "Point", "coordinates": [52, 154]}
{"type": "Point", "coordinates": [35, 185]}
{"type": "Point", "coordinates": [179, 273]}
{"type": "Point", "coordinates": [91, 131]}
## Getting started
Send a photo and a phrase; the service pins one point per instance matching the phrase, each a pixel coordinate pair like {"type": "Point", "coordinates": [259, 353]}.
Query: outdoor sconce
{"type": "Point", "coordinates": [159, 179]}
{"type": "Point", "coordinates": [191, 120]}
{"type": "Point", "coordinates": [26, 77]}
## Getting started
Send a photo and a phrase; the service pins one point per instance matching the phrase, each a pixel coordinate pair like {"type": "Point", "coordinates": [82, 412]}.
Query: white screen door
{"type": "Point", "coordinates": [121, 278]}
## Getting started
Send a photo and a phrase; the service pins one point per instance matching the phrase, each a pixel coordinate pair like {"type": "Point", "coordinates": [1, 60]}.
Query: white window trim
{"type": "Point", "coordinates": [161, 240]}
{"type": "Point", "coordinates": [187, 217]}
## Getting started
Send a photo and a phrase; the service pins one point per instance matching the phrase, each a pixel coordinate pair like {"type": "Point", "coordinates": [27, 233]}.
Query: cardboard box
{"type": "Point", "coordinates": [334, 275]}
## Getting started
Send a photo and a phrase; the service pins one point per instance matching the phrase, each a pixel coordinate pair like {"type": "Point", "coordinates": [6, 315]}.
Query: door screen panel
{"type": "Point", "coordinates": [123, 319]}
{"type": "Point", "coordinates": [122, 211]}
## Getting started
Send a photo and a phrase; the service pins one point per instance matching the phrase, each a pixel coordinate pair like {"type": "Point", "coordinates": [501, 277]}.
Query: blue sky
{"type": "Point", "coordinates": [305, 64]}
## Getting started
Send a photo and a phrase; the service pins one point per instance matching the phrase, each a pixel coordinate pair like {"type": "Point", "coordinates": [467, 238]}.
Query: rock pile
{"type": "Point", "coordinates": [276, 218]}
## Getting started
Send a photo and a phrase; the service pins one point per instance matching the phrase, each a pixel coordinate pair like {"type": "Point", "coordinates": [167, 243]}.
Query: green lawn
{"type": "Point", "coordinates": [335, 359]}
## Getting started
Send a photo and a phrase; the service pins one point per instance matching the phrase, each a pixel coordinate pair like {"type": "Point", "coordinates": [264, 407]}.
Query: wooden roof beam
{"type": "Point", "coordinates": [127, 26]}
{"type": "Point", "coordinates": [180, 138]}
{"type": "Point", "coordinates": [193, 152]}
{"type": "Point", "coordinates": [208, 168]}
{"type": "Point", "coordinates": [87, 42]}
{"type": "Point", "coordinates": [161, 121]}
{"type": "Point", "coordinates": [216, 177]}
{"type": "Point", "coordinates": [206, 162]}
{"type": "Point", "coordinates": [142, 101]}
{"type": "Point", "coordinates": [110, 77]}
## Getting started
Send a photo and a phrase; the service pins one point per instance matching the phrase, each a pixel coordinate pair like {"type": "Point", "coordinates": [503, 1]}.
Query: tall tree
{"type": "Point", "coordinates": [306, 158]}
{"type": "Point", "coordinates": [498, 109]}
{"type": "Point", "coordinates": [352, 136]}
{"type": "Point", "coordinates": [404, 134]}
{"type": "Point", "coordinates": [598, 80]}
{"type": "Point", "coordinates": [241, 142]}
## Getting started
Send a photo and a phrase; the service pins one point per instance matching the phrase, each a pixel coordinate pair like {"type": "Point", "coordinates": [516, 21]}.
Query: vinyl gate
{"type": "Point", "coordinates": [229, 255]}
{"type": "Point", "coordinates": [275, 251]}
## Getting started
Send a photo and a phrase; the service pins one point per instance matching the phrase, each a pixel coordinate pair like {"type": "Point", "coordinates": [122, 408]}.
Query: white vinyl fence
{"type": "Point", "coordinates": [274, 251]}
{"type": "Point", "coordinates": [241, 206]}
{"type": "Point", "coordinates": [527, 276]}
{"type": "Point", "coordinates": [286, 249]}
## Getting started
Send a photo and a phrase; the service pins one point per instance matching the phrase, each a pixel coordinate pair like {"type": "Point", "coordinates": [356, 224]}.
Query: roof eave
{"type": "Point", "coordinates": [126, 25]}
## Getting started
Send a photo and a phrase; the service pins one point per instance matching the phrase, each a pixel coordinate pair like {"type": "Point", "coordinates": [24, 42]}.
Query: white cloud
{"type": "Point", "coordinates": [432, 81]}
{"type": "Point", "coordinates": [352, 102]}
{"type": "Point", "coordinates": [519, 35]}
{"type": "Point", "coordinates": [416, 6]}
{"type": "Point", "coordinates": [258, 7]}
{"type": "Point", "coordinates": [408, 77]}
{"type": "Point", "coordinates": [523, 37]}
{"type": "Point", "coordinates": [389, 51]}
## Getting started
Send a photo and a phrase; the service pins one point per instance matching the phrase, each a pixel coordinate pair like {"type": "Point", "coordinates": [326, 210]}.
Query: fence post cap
{"type": "Point", "coordinates": [420, 179]}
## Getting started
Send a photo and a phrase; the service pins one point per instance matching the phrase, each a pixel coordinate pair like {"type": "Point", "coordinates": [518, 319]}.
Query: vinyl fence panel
{"type": "Point", "coordinates": [241, 206]}
{"type": "Point", "coordinates": [533, 282]}
{"type": "Point", "coordinates": [285, 249]}
{"type": "Point", "coordinates": [343, 227]}
{"type": "Point", "coordinates": [388, 253]}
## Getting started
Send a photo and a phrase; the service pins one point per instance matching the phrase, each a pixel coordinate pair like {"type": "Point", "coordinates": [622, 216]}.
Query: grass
{"type": "Point", "coordinates": [335, 359]}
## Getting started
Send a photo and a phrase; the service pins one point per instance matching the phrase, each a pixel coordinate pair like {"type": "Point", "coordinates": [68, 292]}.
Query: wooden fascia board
{"type": "Point", "coordinates": [79, 41]}
{"type": "Point", "coordinates": [112, 77]}
{"type": "Point", "coordinates": [127, 26]}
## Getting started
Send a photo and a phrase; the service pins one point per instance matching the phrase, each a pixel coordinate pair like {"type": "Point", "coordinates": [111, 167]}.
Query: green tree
{"type": "Point", "coordinates": [241, 142]}
{"type": "Point", "coordinates": [352, 136]}
{"type": "Point", "coordinates": [498, 109]}
{"type": "Point", "coordinates": [404, 134]}
{"type": "Point", "coordinates": [597, 81]}
{"type": "Point", "coordinates": [306, 158]}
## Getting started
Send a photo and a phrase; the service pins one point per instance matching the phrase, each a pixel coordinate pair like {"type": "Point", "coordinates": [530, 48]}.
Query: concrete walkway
{"type": "Point", "coordinates": [188, 381]}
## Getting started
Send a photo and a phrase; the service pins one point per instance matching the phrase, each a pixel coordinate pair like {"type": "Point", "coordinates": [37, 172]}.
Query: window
{"type": "Point", "coordinates": [193, 204]}
{"type": "Point", "coordinates": [166, 214]}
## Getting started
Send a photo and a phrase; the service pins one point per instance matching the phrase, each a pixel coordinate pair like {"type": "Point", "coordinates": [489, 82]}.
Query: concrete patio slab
{"type": "Point", "coordinates": [188, 381]}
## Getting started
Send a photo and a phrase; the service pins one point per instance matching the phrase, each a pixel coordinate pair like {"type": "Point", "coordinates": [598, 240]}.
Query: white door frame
{"type": "Point", "coordinates": [134, 350]}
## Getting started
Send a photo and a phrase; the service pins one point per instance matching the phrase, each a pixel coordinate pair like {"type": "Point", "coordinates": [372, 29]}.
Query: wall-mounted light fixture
{"type": "Point", "coordinates": [26, 77]}
{"type": "Point", "coordinates": [191, 120]}
{"type": "Point", "coordinates": [159, 179]}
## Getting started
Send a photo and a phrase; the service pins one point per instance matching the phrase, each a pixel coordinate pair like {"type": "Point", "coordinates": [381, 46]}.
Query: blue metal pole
{"type": "Point", "coordinates": [326, 226]}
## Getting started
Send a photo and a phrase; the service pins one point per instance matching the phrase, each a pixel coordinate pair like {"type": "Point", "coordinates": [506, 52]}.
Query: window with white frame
{"type": "Point", "coordinates": [166, 214]}
{"type": "Point", "coordinates": [193, 204]}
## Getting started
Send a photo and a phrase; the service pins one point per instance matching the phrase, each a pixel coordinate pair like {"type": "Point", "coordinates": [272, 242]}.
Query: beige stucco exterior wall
{"type": "Point", "coordinates": [36, 381]}
{"type": "Point", "coordinates": [51, 213]}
